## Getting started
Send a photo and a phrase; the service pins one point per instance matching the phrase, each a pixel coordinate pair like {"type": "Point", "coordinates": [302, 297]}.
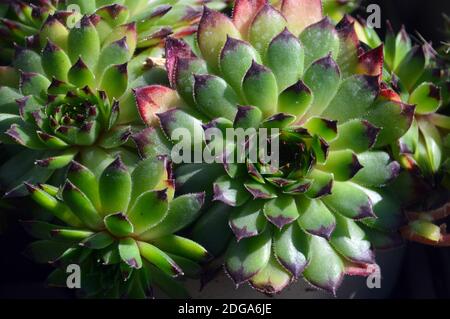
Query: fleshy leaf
{"type": "Point", "coordinates": [266, 25]}
{"type": "Point", "coordinates": [248, 220]}
{"type": "Point", "coordinates": [320, 40]}
{"type": "Point", "coordinates": [149, 210]}
{"type": "Point", "coordinates": [378, 169]}
{"type": "Point", "coordinates": [285, 57]}
{"type": "Point", "coordinates": [260, 88]}
{"type": "Point", "coordinates": [342, 164]}
{"type": "Point", "coordinates": [295, 100]}
{"type": "Point", "coordinates": [115, 187]}
{"type": "Point", "coordinates": [129, 253]}
{"type": "Point", "coordinates": [426, 97]}
{"type": "Point", "coordinates": [230, 191]}
{"type": "Point", "coordinates": [326, 268]}
{"type": "Point", "coordinates": [350, 201]}
{"type": "Point", "coordinates": [356, 135]}
{"type": "Point", "coordinates": [272, 279]}
{"type": "Point", "coordinates": [281, 211]}
{"type": "Point", "coordinates": [315, 218]}
{"type": "Point", "coordinates": [214, 96]}
{"type": "Point", "coordinates": [291, 248]}
{"type": "Point", "coordinates": [183, 210]}
{"type": "Point", "coordinates": [119, 225]}
{"type": "Point", "coordinates": [160, 259]}
{"type": "Point", "coordinates": [349, 240]}
{"type": "Point", "coordinates": [323, 78]}
{"type": "Point", "coordinates": [248, 257]}
{"type": "Point", "coordinates": [213, 30]}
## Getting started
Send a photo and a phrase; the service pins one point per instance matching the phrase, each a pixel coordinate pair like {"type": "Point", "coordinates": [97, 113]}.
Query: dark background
{"type": "Point", "coordinates": [426, 270]}
{"type": "Point", "coordinates": [424, 16]}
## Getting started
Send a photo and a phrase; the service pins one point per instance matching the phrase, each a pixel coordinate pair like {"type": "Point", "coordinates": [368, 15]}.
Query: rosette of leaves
{"type": "Point", "coordinates": [72, 100]}
{"type": "Point", "coordinates": [32, 22]}
{"type": "Point", "coordinates": [292, 70]}
{"type": "Point", "coordinates": [119, 228]}
{"type": "Point", "coordinates": [419, 76]}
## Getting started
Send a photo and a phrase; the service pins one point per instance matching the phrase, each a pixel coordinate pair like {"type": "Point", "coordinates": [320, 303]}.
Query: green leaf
{"type": "Point", "coordinates": [99, 240]}
{"type": "Point", "coordinates": [215, 97]}
{"type": "Point", "coordinates": [291, 247]}
{"type": "Point", "coordinates": [45, 251]}
{"type": "Point", "coordinates": [322, 184]}
{"type": "Point", "coordinates": [115, 80]}
{"type": "Point", "coordinates": [426, 97]}
{"type": "Point", "coordinates": [230, 191]}
{"type": "Point", "coordinates": [324, 128]}
{"type": "Point", "coordinates": [353, 99]}
{"type": "Point", "coordinates": [183, 247]}
{"type": "Point", "coordinates": [116, 53]}
{"type": "Point", "coordinates": [350, 201]}
{"type": "Point", "coordinates": [266, 25]}
{"type": "Point", "coordinates": [81, 206]}
{"type": "Point", "coordinates": [86, 34]}
{"type": "Point", "coordinates": [115, 188]}
{"type": "Point", "coordinates": [356, 135]}
{"type": "Point", "coordinates": [412, 67]}
{"type": "Point", "coordinates": [183, 210]}
{"type": "Point", "coordinates": [80, 75]}
{"type": "Point", "coordinates": [50, 203]}
{"type": "Point", "coordinates": [319, 40]}
{"type": "Point", "coordinates": [235, 59]}
{"type": "Point", "coordinates": [28, 61]}
{"type": "Point", "coordinates": [315, 218]}
{"type": "Point", "coordinates": [285, 57]}
{"type": "Point", "coordinates": [323, 78]}
{"type": "Point", "coordinates": [272, 279]}
{"type": "Point", "coordinates": [33, 84]}
{"type": "Point", "coordinates": [149, 210]}
{"type": "Point", "coordinates": [295, 100]}
{"type": "Point", "coordinates": [248, 220]}
{"type": "Point", "coordinates": [350, 241]}
{"type": "Point", "coordinates": [393, 118]}
{"type": "Point", "coordinates": [326, 268]}
{"type": "Point", "coordinates": [281, 211]}
{"type": "Point", "coordinates": [55, 62]}
{"type": "Point", "coordinates": [159, 258]}
{"type": "Point", "coordinates": [378, 169]}
{"type": "Point", "coordinates": [342, 164]}
{"type": "Point", "coordinates": [248, 257]}
{"type": "Point", "coordinates": [85, 181]}
{"type": "Point", "coordinates": [260, 88]}
{"type": "Point", "coordinates": [247, 117]}
{"type": "Point", "coordinates": [129, 253]}
{"type": "Point", "coordinates": [119, 225]}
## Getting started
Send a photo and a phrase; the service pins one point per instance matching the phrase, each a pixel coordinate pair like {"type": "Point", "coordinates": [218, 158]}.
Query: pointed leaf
{"type": "Point", "coordinates": [281, 211]}
{"type": "Point", "coordinates": [115, 187]}
{"type": "Point", "coordinates": [315, 218]}
{"type": "Point", "coordinates": [248, 221]}
{"type": "Point", "coordinates": [129, 253]}
{"type": "Point", "coordinates": [248, 257]}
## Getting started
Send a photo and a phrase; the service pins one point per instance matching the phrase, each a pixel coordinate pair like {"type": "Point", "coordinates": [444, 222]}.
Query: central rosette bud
{"type": "Point", "coordinates": [78, 117]}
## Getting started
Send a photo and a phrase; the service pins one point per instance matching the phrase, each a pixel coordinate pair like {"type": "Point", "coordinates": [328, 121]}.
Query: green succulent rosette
{"type": "Point", "coordinates": [294, 71]}
{"type": "Point", "coordinates": [119, 228]}
{"type": "Point", "coordinates": [418, 75]}
{"type": "Point", "coordinates": [72, 101]}
{"type": "Point", "coordinates": [30, 23]}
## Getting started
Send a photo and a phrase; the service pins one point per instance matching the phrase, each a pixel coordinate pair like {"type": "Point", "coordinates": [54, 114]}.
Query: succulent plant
{"type": "Point", "coordinates": [294, 71]}
{"type": "Point", "coordinates": [32, 22]}
{"type": "Point", "coordinates": [72, 101]}
{"type": "Point", "coordinates": [419, 76]}
{"type": "Point", "coordinates": [119, 228]}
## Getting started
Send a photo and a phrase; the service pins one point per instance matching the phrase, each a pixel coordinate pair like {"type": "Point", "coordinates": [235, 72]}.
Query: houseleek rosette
{"type": "Point", "coordinates": [31, 22]}
{"type": "Point", "coordinates": [119, 228]}
{"type": "Point", "coordinates": [292, 70]}
{"type": "Point", "coordinates": [73, 100]}
{"type": "Point", "coordinates": [419, 76]}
